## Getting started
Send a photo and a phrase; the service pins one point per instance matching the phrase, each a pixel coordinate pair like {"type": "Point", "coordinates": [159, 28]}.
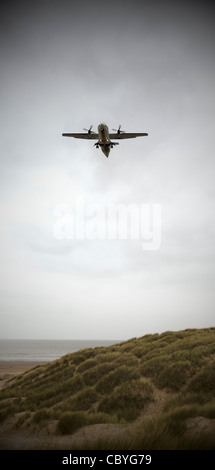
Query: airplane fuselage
{"type": "Point", "coordinates": [104, 141]}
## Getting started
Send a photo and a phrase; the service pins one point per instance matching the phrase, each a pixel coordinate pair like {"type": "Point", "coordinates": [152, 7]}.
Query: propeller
{"type": "Point", "coordinates": [119, 130]}
{"type": "Point", "coordinates": [89, 130]}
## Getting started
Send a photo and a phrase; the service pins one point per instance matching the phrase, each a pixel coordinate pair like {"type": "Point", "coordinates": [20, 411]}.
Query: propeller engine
{"type": "Point", "coordinates": [119, 130]}
{"type": "Point", "coordinates": [89, 131]}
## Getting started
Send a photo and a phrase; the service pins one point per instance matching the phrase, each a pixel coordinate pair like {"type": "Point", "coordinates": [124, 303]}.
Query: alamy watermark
{"type": "Point", "coordinates": [95, 221]}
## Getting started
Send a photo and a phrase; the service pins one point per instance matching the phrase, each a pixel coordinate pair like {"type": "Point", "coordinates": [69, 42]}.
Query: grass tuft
{"type": "Point", "coordinates": [70, 422]}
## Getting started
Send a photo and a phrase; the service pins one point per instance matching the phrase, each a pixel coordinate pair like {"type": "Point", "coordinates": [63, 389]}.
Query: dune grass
{"type": "Point", "coordinates": [118, 384]}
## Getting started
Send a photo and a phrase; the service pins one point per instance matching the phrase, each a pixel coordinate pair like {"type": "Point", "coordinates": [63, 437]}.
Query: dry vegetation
{"type": "Point", "coordinates": [143, 393]}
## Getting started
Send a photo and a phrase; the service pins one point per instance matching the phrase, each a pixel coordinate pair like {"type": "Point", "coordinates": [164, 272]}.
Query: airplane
{"type": "Point", "coordinates": [104, 139]}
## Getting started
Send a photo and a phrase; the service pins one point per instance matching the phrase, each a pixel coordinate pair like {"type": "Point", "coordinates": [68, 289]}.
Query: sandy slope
{"type": "Point", "coordinates": [9, 369]}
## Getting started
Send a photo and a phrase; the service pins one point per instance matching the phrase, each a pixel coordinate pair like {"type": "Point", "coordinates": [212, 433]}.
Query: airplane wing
{"type": "Point", "coordinates": [82, 136]}
{"type": "Point", "coordinates": [127, 135]}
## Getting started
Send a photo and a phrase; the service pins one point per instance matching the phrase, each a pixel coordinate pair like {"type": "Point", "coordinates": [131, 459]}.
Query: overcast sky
{"type": "Point", "coordinates": [150, 67]}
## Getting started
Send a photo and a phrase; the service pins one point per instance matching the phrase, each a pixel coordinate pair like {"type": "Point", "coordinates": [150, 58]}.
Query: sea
{"type": "Point", "coordinates": [40, 350]}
